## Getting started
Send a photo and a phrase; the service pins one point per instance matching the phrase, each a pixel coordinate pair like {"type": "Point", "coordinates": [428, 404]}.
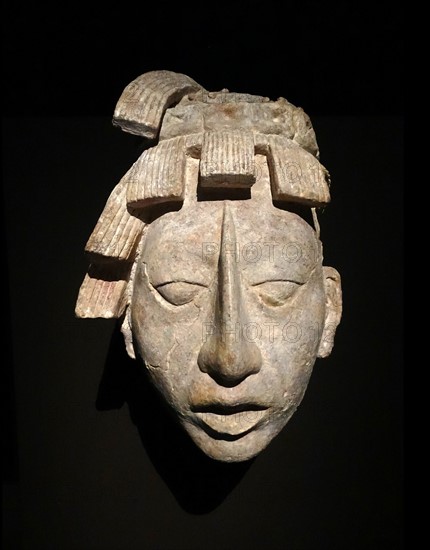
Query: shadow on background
{"type": "Point", "coordinates": [198, 483]}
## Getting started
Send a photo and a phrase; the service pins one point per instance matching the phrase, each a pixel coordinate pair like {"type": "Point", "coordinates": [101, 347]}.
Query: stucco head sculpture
{"type": "Point", "coordinates": [200, 250]}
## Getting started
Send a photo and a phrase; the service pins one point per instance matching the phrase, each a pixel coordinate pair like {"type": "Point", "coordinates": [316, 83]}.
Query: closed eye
{"type": "Point", "coordinates": [179, 293]}
{"type": "Point", "coordinates": [276, 293]}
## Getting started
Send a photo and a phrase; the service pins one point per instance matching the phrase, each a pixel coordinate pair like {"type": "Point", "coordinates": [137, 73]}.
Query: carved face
{"type": "Point", "coordinates": [228, 313]}
{"type": "Point", "coordinates": [225, 299]}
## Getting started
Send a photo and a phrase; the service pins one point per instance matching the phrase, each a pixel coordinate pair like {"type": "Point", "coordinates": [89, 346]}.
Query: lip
{"type": "Point", "coordinates": [234, 421]}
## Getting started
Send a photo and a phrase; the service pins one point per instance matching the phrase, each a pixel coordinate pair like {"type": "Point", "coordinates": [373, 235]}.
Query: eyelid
{"type": "Point", "coordinates": [179, 293]}
{"type": "Point", "coordinates": [160, 285]}
{"type": "Point", "coordinates": [279, 281]}
{"type": "Point", "coordinates": [275, 295]}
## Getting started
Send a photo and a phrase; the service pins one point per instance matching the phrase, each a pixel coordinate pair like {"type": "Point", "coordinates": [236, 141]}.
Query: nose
{"type": "Point", "coordinates": [227, 355]}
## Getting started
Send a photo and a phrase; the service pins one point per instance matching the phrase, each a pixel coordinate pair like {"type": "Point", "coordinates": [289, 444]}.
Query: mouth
{"type": "Point", "coordinates": [229, 421]}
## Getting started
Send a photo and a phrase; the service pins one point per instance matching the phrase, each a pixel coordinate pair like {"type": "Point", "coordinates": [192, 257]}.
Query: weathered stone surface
{"type": "Point", "coordinates": [142, 104]}
{"type": "Point", "coordinates": [296, 175]}
{"type": "Point", "coordinates": [103, 292]}
{"type": "Point", "coordinates": [100, 298]}
{"type": "Point", "coordinates": [223, 292]}
{"type": "Point", "coordinates": [227, 158]}
{"type": "Point", "coordinates": [223, 110]}
{"type": "Point", "coordinates": [117, 231]}
{"type": "Point", "coordinates": [158, 175]}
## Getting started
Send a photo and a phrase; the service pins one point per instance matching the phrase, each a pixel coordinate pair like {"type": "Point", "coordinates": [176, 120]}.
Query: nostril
{"type": "Point", "coordinates": [227, 366]}
{"type": "Point", "coordinates": [227, 380]}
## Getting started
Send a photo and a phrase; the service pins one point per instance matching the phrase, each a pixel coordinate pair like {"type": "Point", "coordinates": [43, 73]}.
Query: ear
{"type": "Point", "coordinates": [333, 312]}
{"type": "Point", "coordinates": [128, 336]}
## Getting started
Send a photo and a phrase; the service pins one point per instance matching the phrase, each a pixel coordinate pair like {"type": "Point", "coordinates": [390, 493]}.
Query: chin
{"type": "Point", "coordinates": [238, 448]}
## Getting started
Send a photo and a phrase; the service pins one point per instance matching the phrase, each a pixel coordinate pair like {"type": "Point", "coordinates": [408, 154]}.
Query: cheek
{"type": "Point", "coordinates": [163, 335]}
{"type": "Point", "coordinates": [290, 335]}
{"type": "Point", "coordinates": [168, 341]}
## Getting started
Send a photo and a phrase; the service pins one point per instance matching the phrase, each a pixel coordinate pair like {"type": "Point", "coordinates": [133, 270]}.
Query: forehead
{"type": "Point", "coordinates": [263, 239]}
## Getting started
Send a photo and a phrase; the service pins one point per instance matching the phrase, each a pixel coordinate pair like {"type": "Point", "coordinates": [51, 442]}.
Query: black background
{"type": "Point", "coordinates": [76, 60]}
{"type": "Point", "coordinates": [83, 470]}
